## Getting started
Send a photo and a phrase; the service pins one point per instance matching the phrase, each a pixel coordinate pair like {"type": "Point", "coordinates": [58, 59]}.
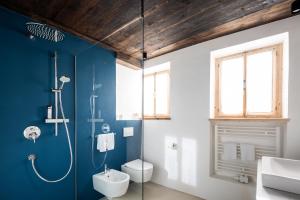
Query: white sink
{"type": "Point", "coordinates": [281, 174]}
{"type": "Point", "coordinates": [111, 184]}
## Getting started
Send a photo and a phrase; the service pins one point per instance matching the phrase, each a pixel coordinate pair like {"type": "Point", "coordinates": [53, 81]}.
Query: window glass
{"type": "Point", "coordinates": [128, 93]}
{"type": "Point", "coordinates": [162, 93]}
{"type": "Point", "coordinates": [157, 91]}
{"type": "Point", "coordinates": [231, 86]}
{"type": "Point", "coordinates": [149, 95]}
{"type": "Point", "coordinates": [249, 84]}
{"type": "Point", "coordinates": [260, 82]}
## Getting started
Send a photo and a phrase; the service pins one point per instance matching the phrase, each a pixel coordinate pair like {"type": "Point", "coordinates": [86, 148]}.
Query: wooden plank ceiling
{"type": "Point", "coordinates": [169, 24]}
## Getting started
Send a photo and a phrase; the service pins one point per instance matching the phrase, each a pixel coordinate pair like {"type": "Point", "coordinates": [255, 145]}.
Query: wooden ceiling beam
{"type": "Point", "coordinates": [274, 13]}
{"type": "Point", "coordinates": [150, 9]}
{"type": "Point", "coordinates": [169, 24]}
{"type": "Point", "coordinates": [72, 12]}
{"type": "Point", "coordinates": [90, 39]}
{"type": "Point", "coordinates": [220, 14]}
{"type": "Point", "coordinates": [129, 59]}
{"type": "Point", "coordinates": [122, 27]}
{"type": "Point", "coordinates": [109, 16]}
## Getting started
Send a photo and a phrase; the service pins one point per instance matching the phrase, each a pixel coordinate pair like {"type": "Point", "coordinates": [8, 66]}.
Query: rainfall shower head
{"type": "Point", "coordinates": [44, 31]}
{"type": "Point", "coordinates": [64, 79]}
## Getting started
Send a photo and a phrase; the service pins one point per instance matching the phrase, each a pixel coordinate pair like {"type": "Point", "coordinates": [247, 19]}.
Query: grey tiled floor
{"type": "Point", "coordinates": [153, 191]}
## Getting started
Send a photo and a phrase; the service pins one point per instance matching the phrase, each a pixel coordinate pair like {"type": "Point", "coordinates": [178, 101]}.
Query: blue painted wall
{"type": "Point", "coordinates": [26, 76]}
{"type": "Point", "coordinates": [105, 74]}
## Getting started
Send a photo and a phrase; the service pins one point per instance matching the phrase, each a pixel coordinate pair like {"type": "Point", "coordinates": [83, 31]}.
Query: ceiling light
{"type": "Point", "coordinates": [296, 7]}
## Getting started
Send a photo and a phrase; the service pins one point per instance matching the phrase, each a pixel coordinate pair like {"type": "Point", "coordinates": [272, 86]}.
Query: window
{"type": "Point", "coordinates": [157, 92]}
{"type": "Point", "coordinates": [128, 93]}
{"type": "Point", "coordinates": [248, 84]}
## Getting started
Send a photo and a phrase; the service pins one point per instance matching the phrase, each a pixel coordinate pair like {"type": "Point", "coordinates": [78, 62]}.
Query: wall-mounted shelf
{"type": "Point", "coordinates": [95, 120]}
{"type": "Point", "coordinates": [55, 121]}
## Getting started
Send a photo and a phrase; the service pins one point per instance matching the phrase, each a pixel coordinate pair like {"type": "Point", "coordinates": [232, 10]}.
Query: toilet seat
{"type": "Point", "coordinates": [138, 170]}
{"type": "Point", "coordinates": [138, 165]}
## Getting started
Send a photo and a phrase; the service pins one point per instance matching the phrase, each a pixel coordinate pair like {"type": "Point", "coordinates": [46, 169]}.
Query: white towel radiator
{"type": "Point", "coordinates": [266, 139]}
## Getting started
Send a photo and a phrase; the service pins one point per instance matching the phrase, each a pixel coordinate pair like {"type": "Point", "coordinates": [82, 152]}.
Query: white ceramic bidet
{"type": "Point", "coordinates": [111, 183]}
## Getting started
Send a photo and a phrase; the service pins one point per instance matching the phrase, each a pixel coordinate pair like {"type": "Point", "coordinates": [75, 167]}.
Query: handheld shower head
{"type": "Point", "coordinates": [64, 79]}
{"type": "Point", "coordinates": [97, 86]}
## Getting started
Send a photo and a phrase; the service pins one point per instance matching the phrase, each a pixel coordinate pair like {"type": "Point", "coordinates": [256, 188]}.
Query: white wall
{"type": "Point", "coordinates": [190, 128]}
{"type": "Point", "coordinates": [129, 93]}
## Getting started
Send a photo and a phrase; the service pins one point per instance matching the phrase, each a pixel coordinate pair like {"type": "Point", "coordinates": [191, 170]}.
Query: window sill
{"type": "Point", "coordinates": [250, 119]}
{"type": "Point", "coordinates": [129, 119]}
{"type": "Point", "coordinates": [157, 118]}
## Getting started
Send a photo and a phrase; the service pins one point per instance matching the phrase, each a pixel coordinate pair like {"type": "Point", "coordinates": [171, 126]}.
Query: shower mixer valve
{"type": "Point", "coordinates": [32, 133]}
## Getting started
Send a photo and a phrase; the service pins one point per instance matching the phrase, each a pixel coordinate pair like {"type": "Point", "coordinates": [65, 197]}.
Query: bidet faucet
{"type": "Point", "coordinates": [106, 169]}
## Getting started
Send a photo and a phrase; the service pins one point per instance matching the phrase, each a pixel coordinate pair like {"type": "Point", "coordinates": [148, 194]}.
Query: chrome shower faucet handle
{"type": "Point", "coordinates": [32, 133]}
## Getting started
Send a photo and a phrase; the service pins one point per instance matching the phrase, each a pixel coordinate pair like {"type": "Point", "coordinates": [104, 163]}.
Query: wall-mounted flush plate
{"type": "Point", "coordinates": [32, 133]}
{"type": "Point", "coordinates": [128, 131]}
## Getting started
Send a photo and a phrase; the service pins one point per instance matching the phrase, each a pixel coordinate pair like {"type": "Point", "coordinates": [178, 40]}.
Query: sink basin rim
{"type": "Point", "coordinates": [281, 174]}
{"type": "Point", "coordinates": [270, 172]}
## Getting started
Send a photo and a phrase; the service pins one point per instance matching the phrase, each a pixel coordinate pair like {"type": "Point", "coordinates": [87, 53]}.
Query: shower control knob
{"type": "Point", "coordinates": [32, 133]}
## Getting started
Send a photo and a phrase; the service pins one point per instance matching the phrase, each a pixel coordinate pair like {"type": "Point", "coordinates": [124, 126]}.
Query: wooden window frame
{"type": "Point", "coordinates": [158, 116]}
{"type": "Point", "coordinates": [277, 84]}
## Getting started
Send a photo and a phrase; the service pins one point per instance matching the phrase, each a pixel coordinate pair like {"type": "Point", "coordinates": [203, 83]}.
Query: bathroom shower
{"type": "Point", "coordinates": [52, 34]}
{"type": "Point", "coordinates": [58, 99]}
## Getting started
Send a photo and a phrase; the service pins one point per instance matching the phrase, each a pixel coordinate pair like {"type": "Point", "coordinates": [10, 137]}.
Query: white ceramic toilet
{"type": "Point", "coordinates": [134, 169]}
